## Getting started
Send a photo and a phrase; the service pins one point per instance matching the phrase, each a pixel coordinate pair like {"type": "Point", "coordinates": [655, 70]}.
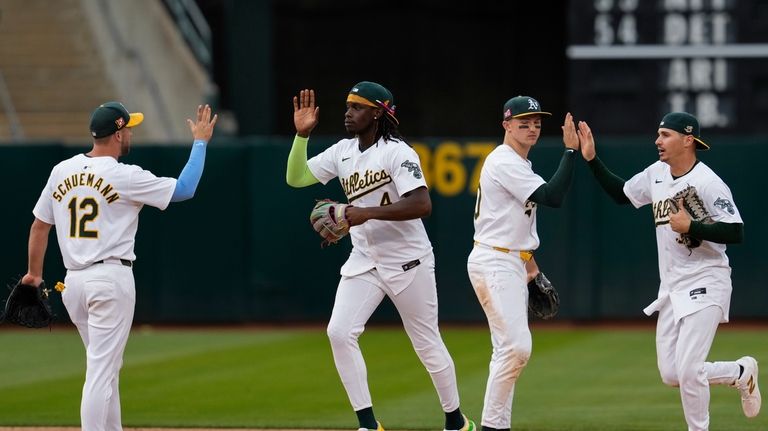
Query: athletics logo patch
{"type": "Point", "coordinates": [725, 205]}
{"type": "Point", "coordinates": [412, 167]}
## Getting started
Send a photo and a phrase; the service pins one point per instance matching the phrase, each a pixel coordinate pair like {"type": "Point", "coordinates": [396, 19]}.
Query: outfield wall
{"type": "Point", "coordinates": [243, 251]}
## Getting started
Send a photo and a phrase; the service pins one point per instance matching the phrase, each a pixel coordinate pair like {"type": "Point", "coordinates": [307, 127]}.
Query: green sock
{"type": "Point", "coordinates": [367, 419]}
{"type": "Point", "coordinates": [454, 420]}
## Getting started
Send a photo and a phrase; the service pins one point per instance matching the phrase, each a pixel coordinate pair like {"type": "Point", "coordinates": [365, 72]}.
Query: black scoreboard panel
{"type": "Point", "coordinates": [632, 61]}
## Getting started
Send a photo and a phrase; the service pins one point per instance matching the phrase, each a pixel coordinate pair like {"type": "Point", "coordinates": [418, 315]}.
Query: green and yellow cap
{"type": "Point", "coordinates": [110, 117]}
{"type": "Point", "coordinates": [685, 123]}
{"type": "Point", "coordinates": [521, 106]}
{"type": "Point", "coordinates": [375, 95]}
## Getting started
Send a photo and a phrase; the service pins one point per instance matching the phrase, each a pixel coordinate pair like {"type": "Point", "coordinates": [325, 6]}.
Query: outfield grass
{"type": "Point", "coordinates": [578, 379]}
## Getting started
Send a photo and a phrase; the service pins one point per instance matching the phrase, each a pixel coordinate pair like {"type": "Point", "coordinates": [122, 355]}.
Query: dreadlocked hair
{"type": "Point", "coordinates": [387, 129]}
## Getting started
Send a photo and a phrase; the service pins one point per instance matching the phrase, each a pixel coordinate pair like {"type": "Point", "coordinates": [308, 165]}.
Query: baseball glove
{"type": "Point", "coordinates": [543, 301]}
{"type": "Point", "coordinates": [28, 306]}
{"type": "Point", "coordinates": [695, 208]}
{"type": "Point", "coordinates": [329, 219]}
{"type": "Point", "coordinates": [692, 203]}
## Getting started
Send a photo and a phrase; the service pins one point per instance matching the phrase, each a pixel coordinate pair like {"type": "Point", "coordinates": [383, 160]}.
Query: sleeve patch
{"type": "Point", "coordinates": [412, 167]}
{"type": "Point", "coordinates": [725, 205]}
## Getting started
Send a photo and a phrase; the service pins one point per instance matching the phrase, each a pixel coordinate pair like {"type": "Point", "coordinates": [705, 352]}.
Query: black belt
{"type": "Point", "coordinates": [125, 262]}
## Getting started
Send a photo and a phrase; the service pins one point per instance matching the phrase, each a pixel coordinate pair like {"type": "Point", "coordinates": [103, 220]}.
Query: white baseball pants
{"type": "Point", "coordinates": [100, 301]}
{"type": "Point", "coordinates": [499, 280]}
{"type": "Point", "coordinates": [357, 298]}
{"type": "Point", "coordinates": [681, 353]}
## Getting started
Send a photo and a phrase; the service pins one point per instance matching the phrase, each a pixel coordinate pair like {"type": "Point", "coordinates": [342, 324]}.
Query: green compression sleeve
{"type": "Point", "coordinates": [610, 182]}
{"type": "Point", "coordinates": [297, 173]}
{"type": "Point", "coordinates": [719, 232]}
{"type": "Point", "coordinates": [552, 193]}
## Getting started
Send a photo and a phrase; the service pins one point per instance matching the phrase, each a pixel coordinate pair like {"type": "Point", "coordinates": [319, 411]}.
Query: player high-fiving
{"type": "Point", "coordinates": [695, 217]}
{"type": "Point", "coordinates": [391, 253]}
{"type": "Point", "coordinates": [94, 201]}
{"type": "Point", "coordinates": [501, 263]}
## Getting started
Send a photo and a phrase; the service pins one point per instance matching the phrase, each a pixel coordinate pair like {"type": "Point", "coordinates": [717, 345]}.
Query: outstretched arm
{"type": "Point", "coordinates": [305, 118]}
{"type": "Point", "coordinates": [611, 183]}
{"type": "Point", "coordinates": [202, 130]}
{"type": "Point", "coordinates": [297, 173]}
{"type": "Point", "coordinates": [38, 243]}
{"type": "Point", "coordinates": [553, 192]}
{"type": "Point", "coordinates": [415, 204]}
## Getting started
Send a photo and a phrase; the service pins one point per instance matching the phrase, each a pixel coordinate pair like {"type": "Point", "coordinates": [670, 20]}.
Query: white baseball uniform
{"type": "Point", "coordinates": [94, 202]}
{"type": "Point", "coordinates": [505, 225]}
{"type": "Point", "coordinates": [392, 258]}
{"type": "Point", "coordinates": [695, 290]}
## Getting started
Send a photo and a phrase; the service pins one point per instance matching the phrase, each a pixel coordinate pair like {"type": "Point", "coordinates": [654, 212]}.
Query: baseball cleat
{"type": "Point", "coordinates": [747, 386]}
{"type": "Point", "coordinates": [469, 425]}
{"type": "Point", "coordinates": [379, 428]}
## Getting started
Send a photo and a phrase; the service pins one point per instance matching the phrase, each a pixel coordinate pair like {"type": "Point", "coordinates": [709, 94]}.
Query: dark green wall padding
{"type": "Point", "coordinates": [242, 249]}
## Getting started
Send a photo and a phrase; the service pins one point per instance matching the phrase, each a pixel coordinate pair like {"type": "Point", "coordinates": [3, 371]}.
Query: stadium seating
{"type": "Point", "coordinates": [59, 60]}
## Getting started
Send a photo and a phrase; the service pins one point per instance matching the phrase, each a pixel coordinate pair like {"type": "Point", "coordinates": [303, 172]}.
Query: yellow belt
{"type": "Point", "coordinates": [526, 255]}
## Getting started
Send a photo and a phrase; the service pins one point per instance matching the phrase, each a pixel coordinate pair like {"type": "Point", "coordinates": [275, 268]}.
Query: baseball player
{"type": "Point", "coordinates": [94, 202]}
{"type": "Point", "coordinates": [695, 291]}
{"type": "Point", "coordinates": [391, 254]}
{"type": "Point", "coordinates": [501, 263]}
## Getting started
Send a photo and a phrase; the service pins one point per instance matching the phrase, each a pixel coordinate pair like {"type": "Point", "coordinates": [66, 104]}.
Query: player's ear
{"type": "Point", "coordinates": [690, 142]}
{"type": "Point", "coordinates": [377, 113]}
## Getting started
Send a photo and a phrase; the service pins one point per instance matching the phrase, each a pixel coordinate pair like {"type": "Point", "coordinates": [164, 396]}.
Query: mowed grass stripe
{"type": "Point", "coordinates": [578, 379]}
{"type": "Point", "coordinates": [41, 355]}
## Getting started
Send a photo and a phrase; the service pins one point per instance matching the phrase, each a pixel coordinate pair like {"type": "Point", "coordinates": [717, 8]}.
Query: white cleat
{"type": "Point", "coordinates": [747, 386]}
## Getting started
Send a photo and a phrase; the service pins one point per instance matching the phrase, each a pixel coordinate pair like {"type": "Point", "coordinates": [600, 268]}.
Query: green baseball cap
{"type": "Point", "coordinates": [522, 106]}
{"type": "Point", "coordinates": [685, 123]}
{"type": "Point", "coordinates": [373, 94]}
{"type": "Point", "coordinates": [110, 117]}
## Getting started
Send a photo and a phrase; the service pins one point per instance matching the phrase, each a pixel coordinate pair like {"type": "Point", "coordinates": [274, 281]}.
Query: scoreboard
{"type": "Point", "coordinates": [632, 61]}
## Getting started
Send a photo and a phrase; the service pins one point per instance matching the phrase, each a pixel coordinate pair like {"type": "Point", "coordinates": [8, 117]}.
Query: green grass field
{"type": "Point", "coordinates": [577, 379]}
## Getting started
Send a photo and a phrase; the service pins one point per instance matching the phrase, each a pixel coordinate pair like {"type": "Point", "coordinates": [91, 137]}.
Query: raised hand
{"type": "Point", "coordinates": [305, 113]}
{"type": "Point", "coordinates": [202, 129]}
{"type": "Point", "coordinates": [570, 138]}
{"type": "Point", "coordinates": [587, 141]}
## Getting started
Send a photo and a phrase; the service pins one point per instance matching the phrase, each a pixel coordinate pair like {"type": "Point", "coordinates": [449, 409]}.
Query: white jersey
{"type": "Point", "coordinates": [378, 176]}
{"type": "Point", "coordinates": [94, 202]}
{"type": "Point", "coordinates": [694, 274]}
{"type": "Point", "coordinates": [504, 217]}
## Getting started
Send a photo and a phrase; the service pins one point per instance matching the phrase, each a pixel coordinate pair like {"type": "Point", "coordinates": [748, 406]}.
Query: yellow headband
{"type": "Point", "coordinates": [361, 100]}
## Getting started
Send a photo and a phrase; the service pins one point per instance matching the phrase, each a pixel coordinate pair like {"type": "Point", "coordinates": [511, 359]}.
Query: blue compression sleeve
{"type": "Point", "coordinates": [191, 174]}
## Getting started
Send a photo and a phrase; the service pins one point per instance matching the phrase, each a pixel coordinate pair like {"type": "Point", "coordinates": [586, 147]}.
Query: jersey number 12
{"type": "Point", "coordinates": [79, 219]}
